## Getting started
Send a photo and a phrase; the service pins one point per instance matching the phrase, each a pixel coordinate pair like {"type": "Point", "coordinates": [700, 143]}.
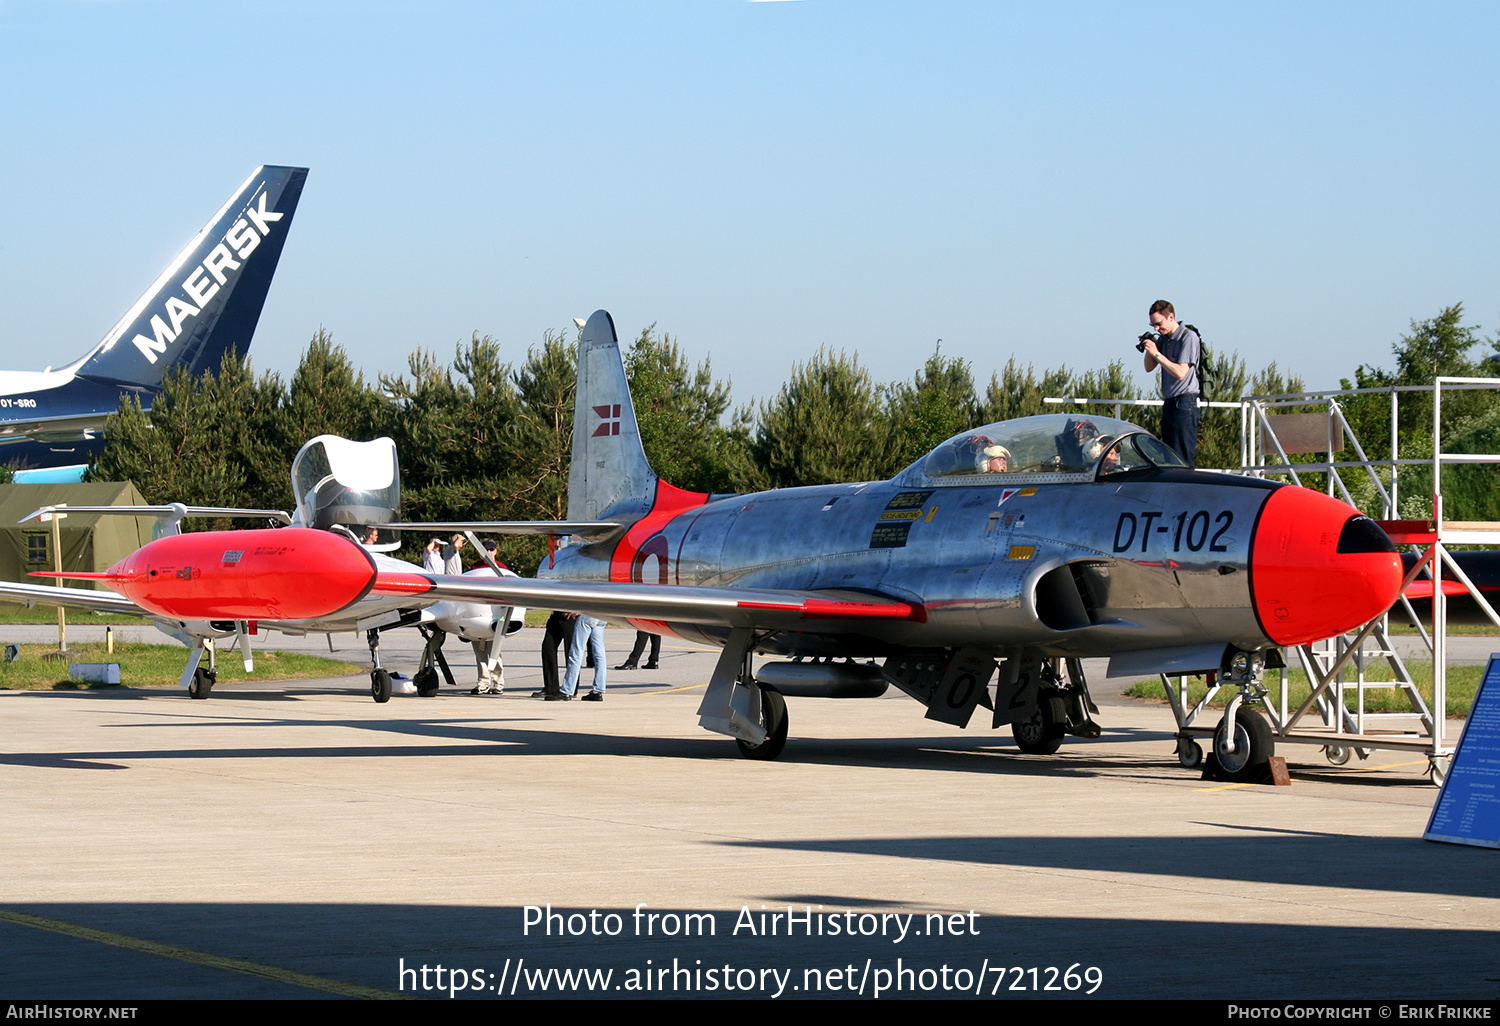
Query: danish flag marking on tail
{"type": "Point", "coordinates": [609, 417]}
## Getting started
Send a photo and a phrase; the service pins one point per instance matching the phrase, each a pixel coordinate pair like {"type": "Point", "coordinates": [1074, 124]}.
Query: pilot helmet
{"type": "Point", "coordinates": [996, 451]}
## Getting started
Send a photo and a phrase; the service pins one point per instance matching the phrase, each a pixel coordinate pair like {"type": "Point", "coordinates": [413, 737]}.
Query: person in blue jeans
{"type": "Point", "coordinates": [587, 632]}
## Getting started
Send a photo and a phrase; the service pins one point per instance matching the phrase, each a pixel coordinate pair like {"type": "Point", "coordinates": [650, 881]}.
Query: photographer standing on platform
{"type": "Point", "coordinates": [1178, 351]}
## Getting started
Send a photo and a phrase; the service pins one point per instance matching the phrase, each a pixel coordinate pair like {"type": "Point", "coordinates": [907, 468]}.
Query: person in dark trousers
{"type": "Point", "coordinates": [1178, 351]}
{"type": "Point", "coordinates": [559, 631]}
{"type": "Point", "coordinates": [633, 662]}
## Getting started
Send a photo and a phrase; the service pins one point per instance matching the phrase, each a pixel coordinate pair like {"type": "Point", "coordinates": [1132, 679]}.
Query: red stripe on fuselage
{"type": "Point", "coordinates": [670, 501]}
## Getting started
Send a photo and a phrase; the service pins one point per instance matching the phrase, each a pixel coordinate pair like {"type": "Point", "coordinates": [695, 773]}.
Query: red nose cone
{"type": "Point", "coordinates": [288, 574]}
{"type": "Point", "coordinates": [1318, 568]}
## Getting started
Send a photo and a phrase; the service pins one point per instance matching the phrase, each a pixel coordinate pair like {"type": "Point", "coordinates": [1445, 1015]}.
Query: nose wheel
{"type": "Point", "coordinates": [202, 683]}
{"type": "Point", "coordinates": [1251, 750]}
{"type": "Point", "coordinates": [1043, 733]}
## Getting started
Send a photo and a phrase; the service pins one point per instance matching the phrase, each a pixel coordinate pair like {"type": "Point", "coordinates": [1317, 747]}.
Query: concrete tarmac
{"type": "Point", "coordinates": [298, 840]}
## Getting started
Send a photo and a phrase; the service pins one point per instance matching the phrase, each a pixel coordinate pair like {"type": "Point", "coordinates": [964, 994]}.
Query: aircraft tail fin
{"type": "Point", "coordinates": [208, 300]}
{"type": "Point", "coordinates": [609, 475]}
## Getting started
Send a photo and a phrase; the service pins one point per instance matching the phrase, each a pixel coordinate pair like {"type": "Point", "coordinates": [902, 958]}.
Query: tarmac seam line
{"type": "Point", "coordinates": [234, 965]}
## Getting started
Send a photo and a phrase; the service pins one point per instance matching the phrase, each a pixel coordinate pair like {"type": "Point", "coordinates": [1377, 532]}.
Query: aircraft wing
{"type": "Point", "coordinates": [581, 528]}
{"type": "Point", "coordinates": [80, 598]}
{"type": "Point", "coordinates": [62, 428]}
{"type": "Point", "coordinates": [729, 607]}
{"type": "Point", "coordinates": [171, 511]}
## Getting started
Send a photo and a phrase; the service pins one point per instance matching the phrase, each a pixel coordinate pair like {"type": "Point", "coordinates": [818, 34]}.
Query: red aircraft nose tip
{"type": "Point", "coordinates": [1319, 568]}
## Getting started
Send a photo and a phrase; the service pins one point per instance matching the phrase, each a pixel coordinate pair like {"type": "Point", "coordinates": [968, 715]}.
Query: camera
{"type": "Point", "coordinates": [1143, 338]}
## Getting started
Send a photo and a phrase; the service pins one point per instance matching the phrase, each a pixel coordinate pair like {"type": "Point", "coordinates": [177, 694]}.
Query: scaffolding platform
{"type": "Point", "coordinates": [1335, 714]}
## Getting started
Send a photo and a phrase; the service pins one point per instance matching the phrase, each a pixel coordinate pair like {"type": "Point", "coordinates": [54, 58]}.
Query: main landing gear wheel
{"type": "Point", "coordinates": [1253, 746]}
{"type": "Point", "coordinates": [380, 685]}
{"type": "Point", "coordinates": [1189, 753]}
{"type": "Point", "coordinates": [773, 717]}
{"type": "Point", "coordinates": [1043, 733]}
{"type": "Point", "coordinates": [202, 683]}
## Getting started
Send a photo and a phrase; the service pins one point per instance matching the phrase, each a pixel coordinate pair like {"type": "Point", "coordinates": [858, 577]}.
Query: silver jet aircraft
{"type": "Point", "coordinates": [1020, 546]}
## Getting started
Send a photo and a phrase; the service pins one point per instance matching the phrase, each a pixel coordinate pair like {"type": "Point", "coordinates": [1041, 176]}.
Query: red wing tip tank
{"type": "Point", "coordinates": [293, 573]}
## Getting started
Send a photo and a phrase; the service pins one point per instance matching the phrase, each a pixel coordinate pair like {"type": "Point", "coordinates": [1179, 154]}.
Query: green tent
{"type": "Point", "coordinates": [90, 541]}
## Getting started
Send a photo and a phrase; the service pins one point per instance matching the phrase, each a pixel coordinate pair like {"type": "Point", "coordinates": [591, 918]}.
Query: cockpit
{"type": "Point", "coordinates": [1052, 447]}
{"type": "Point", "coordinates": [336, 481]}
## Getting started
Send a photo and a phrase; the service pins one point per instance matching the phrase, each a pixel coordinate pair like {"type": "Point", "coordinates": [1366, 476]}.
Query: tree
{"type": "Point", "coordinates": [1435, 347]}
{"type": "Point", "coordinates": [327, 396]}
{"type": "Point", "coordinates": [1113, 382]}
{"type": "Point", "coordinates": [936, 404]}
{"type": "Point", "coordinates": [539, 445]}
{"type": "Point", "coordinates": [825, 425]}
{"type": "Point", "coordinates": [680, 412]}
{"type": "Point", "coordinates": [1219, 430]}
{"type": "Point", "coordinates": [209, 440]}
{"type": "Point", "coordinates": [1016, 393]}
{"type": "Point", "coordinates": [484, 441]}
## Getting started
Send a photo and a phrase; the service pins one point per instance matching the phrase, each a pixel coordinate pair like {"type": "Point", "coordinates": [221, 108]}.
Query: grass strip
{"type": "Point", "coordinates": [149, 666]}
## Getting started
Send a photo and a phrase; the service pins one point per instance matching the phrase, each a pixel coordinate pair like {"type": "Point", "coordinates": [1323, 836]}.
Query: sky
{"type": "Point", "coordinates": [761, 180]}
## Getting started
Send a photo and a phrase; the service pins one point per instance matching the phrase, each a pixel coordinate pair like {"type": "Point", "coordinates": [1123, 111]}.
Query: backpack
{"type": "Point", "coordinates": [1208, 376]}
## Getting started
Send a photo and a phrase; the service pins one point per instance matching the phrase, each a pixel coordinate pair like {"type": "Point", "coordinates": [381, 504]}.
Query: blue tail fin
{"type": "Point", "coordinates": [208, 300]}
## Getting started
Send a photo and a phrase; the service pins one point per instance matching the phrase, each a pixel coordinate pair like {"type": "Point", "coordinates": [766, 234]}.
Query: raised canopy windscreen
{"type": "Point", "coordinates": [337, 481]}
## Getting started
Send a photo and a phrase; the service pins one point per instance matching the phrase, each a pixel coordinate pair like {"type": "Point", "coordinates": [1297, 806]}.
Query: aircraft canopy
{"type": "Point", "coordinates": [337, 481]}
{"type": "Point", "coordinates": [1053, 443]}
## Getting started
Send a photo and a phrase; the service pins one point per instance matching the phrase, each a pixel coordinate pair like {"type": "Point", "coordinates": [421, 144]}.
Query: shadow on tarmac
{"type": "Point", "coordinates": [369, 945]}
{"type": "Point", "coordinates": [503, 732]}
{"type": "Point", "coordinates": [1302, 858]}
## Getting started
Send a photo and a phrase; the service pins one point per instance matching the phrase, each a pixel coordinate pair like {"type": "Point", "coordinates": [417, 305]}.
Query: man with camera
{"type": "Point", "coordinates": [1178, 351]}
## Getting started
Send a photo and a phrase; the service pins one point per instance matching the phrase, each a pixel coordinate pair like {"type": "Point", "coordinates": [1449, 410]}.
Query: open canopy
{"type": "Point", "coordinates": [337, 481]}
